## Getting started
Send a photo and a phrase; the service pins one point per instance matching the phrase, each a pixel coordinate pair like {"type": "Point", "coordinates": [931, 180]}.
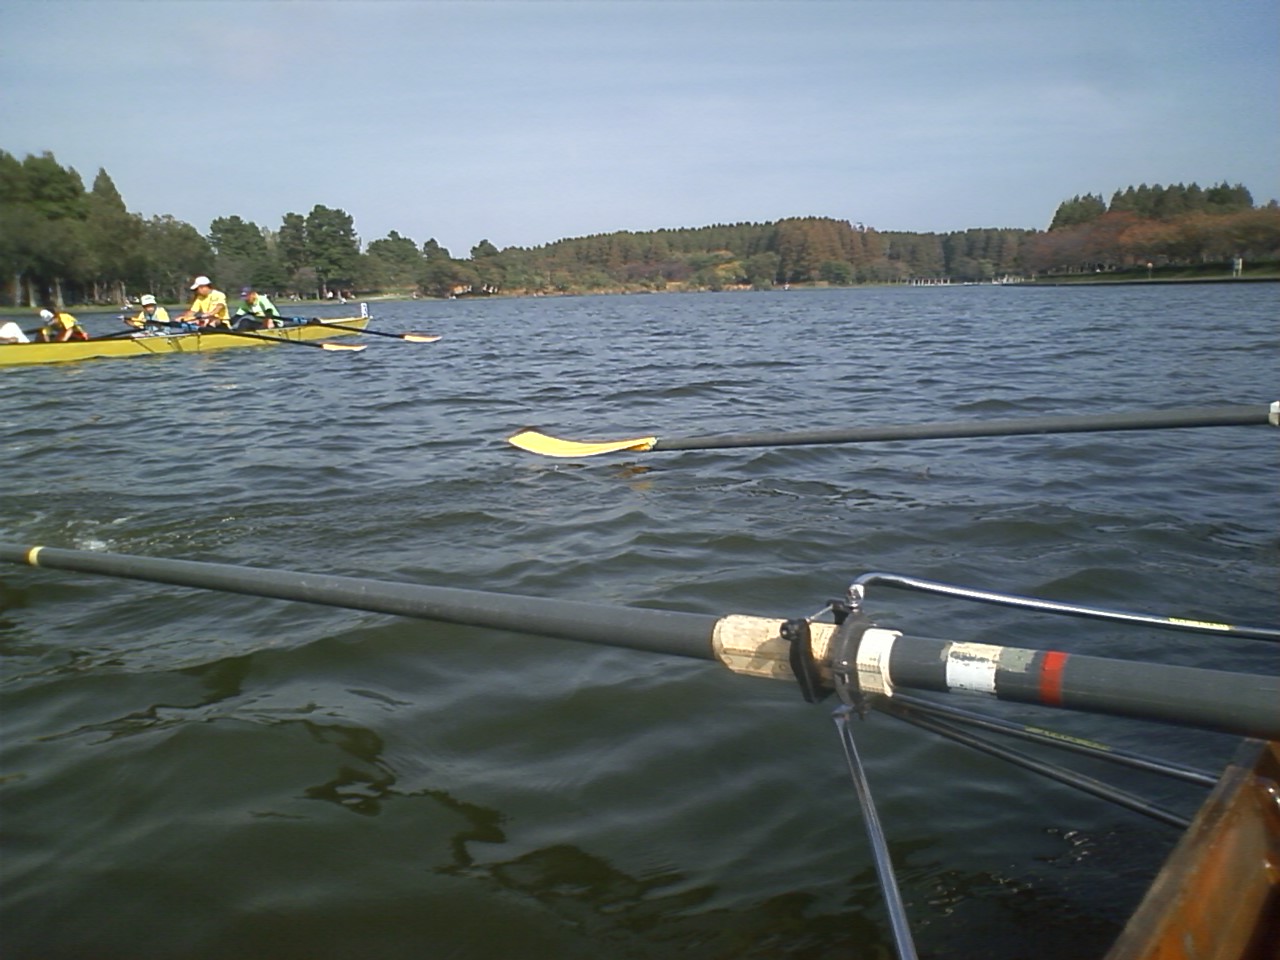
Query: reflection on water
{"type": "Point", "coordinates": [361, 789]}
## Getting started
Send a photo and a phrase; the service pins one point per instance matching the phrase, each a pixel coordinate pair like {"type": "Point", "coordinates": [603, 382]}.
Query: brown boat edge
{"type": "Point", "coordinates": [1218, 894]}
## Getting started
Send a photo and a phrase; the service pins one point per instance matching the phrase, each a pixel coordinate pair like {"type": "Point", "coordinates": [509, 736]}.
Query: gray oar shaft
{"type": "Point", "coordinates": [1229, 416]}
{"type": "Point", "coordinates": [1242, 704]}
{"type": "Point", "coordinates": [659, 631]}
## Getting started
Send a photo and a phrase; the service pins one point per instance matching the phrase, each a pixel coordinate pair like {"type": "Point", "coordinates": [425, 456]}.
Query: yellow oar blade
{"type": "Point", "coordinates": [354, 347]}
{"type": "Point", "coordinates": [419, 337]}
{"type": "Point", "coordinates": [536, 442]}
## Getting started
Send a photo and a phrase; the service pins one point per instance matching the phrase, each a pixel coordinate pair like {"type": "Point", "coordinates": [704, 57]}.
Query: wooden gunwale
{"type": "Point", "coordinates": [1218, 894]}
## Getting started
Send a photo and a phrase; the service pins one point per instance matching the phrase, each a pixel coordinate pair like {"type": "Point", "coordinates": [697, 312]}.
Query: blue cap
{"type": "Point", "coordinates": [246, 291]}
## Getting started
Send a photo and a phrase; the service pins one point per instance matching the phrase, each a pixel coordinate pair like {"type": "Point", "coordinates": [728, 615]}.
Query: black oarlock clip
{"type": "Point", "coordinates": [843, 654]}
{"type": "Point", "coordinates": [797, 635]}
{"type": "Point", "coordinates": [840, 609]}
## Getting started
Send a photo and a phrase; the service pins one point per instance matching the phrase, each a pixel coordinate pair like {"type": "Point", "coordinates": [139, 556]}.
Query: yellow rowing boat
{"type": "Point", "coordinates": [21, 354]}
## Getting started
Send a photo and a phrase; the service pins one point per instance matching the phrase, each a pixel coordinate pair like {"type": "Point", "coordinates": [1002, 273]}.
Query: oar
{"type": "Point", "coordinates": [119, 334]}
{"type": "Point", "coordinates": [408, 337]}
{"type": "Point", "coordinates": [1227, 416]}
{"type": "Point", "coordinates": [322, 345]}
{"type": "Point", "coordinates": [224, 331]}
{"type": "Point", "coordinates": [1236, 703]}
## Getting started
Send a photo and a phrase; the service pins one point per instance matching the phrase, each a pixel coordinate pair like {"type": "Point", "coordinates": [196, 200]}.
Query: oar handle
{"type": "Point", "coordinates": [1242, 704]}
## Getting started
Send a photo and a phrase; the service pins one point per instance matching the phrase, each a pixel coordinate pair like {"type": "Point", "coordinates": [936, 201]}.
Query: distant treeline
{"type": "Point", "coordinates": [60, 242]}
{"type": "Point", "coordinates": [1163, 226]}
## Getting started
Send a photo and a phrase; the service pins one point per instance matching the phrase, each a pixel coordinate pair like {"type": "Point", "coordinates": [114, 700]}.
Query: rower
{"type": "Point", "coordinates": [257, 311]}
{"type": "Point", "coordinates": [60, 326]}
{"type": "Point", "coordinates": [209, 308]}
{"type": "Point", "coordinates": [151, 317]}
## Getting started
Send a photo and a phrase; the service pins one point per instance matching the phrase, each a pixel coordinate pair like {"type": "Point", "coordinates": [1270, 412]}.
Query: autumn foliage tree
{"type": "Point", "coordinates": [1176, 225]}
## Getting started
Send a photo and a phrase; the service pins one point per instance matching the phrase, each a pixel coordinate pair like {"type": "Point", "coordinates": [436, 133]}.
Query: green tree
{"type": "Point", "coordinates": [18, 225]}
{"type": "Point", "coordinates": [1079, 209]}
{"type": "Point", "coordinates": [47, 209]}
{"type": "Point", "coordinates": [837, 272]}
{"type": "Point", "coordinates": [1221, 198]}
{"type": "Point", "coordinates": [395, 260]}
{"type": "Point", "coordinates": [333, 249]}
{"type": "Point", "coordinates": [113, 237]}
{"type": "Point", "coordinates": [241, 253]}
{"type": "Point", "coordinates": [173, 253]}
{"type": "Point", "coordinates": [761, 269]}
{"type": "Point", "coordinates": [441, 277]}
{"type": "Point", "coordinates": [56, 192]}
{"type": "Point", "coordinates": [291, 243]}
{"type": "Point", "coordinates": [270, 275]}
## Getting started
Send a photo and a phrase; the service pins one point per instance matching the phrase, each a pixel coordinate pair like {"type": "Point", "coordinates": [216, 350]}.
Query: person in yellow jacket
{"type": "Point", "coordinates": [209, 308]}
{"type": "Point", "coordinates": [59, 326]}
{"type": "Point", "coordinates": [151, 315]}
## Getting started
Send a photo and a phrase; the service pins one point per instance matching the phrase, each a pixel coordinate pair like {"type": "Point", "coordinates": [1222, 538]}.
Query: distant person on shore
{"type": "Point", "coordinates": [152, 315]}
{"type": "Point", "coordinates": [256, 312]}
{"type": "Point", "coordinates": [60, 326]}
{"type": "Point", "coordinates": [209, 308]}
{"type": "Point", "coordinates": [10, 332]}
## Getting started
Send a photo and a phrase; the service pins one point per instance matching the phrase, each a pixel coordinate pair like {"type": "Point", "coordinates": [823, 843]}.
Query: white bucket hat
{"type": "Point", "coordinates": [201, 282]}
{"type": "Point", "coordinates": [46, 315]}
{"type": "Point", "coordinates": [147, 299]}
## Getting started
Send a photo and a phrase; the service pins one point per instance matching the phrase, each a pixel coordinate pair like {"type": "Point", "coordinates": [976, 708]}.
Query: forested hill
{"type": "Point", "coordinates": [795, 250]}
{"type": "Point", "coordinates": [60, 242]}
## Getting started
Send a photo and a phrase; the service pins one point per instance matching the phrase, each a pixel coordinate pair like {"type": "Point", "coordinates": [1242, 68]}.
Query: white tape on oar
{"type": "Point", "coordinates": [873, 660]}
{"type": "Point", "coordinates": [972, 667]}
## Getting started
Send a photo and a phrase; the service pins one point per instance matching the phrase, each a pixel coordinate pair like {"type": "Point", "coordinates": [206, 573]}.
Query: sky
{"type": "Point", "coordinates": [526, 122]}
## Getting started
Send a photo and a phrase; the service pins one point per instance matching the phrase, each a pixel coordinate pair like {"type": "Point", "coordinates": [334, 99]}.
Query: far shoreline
{"type": "Point", "coordinates": [1135, 282]}
{"type": "Point", "coordinates": [97, 310]}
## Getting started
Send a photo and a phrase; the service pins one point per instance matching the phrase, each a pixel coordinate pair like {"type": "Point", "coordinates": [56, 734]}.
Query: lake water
{"type": "Point", "coordinates": [201, 775]}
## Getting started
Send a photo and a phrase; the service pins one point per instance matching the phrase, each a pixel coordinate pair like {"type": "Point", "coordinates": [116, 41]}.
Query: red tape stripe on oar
{"type": "Point", "coordinates": [1051, 670]}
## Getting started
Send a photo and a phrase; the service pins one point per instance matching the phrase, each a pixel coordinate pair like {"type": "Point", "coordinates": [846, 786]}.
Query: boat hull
{"type": "Point", "coordinates": [24, 354]}
{"type": "Point", "coordinates": [1218, 894]}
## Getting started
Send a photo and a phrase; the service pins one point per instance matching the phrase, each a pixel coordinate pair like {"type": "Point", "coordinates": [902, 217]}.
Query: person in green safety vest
{"type": "Point", "coordinates": [256, 312]}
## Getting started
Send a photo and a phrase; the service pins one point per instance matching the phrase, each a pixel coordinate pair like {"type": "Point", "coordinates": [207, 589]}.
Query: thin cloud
{"type": "Point", "coordinates": [526, 122]}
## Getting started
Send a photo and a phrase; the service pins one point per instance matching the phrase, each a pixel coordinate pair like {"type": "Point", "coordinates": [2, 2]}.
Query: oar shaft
{"type": "Point", "coordinates": [1242, 704]}
{"type": "Point", "coordinates": [660, 631]}
{"type": "Point", "coordinates": [1226, 416]}
{"type": "Point", "coordinates": [1246, 704]}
